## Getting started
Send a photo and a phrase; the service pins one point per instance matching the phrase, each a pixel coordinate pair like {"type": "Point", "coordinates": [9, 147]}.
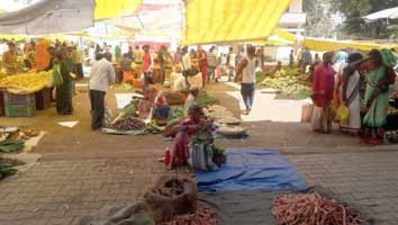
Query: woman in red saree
{"type": "Point", "coordinates": [179, 154]}
{"type": "Point", "coordinates": [323, 89]}
{"type": "Point", "coordinates": [203, 65]}
{"type": "Point", "coordinates": [147, 59]}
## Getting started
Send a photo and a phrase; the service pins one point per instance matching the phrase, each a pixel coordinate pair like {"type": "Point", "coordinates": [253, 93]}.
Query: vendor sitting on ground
{"type": "Point", "coordinates": [150, 92]}
{"type": "Point", "coordinates": [179, 154]}
{"type": "Point", "coordinates": [191, 99]}
{"type": "Point", "coordinates": [161, 110]}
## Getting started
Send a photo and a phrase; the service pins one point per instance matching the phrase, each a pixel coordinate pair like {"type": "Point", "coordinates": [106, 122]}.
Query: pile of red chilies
{"type": "Point", "coordinates": [204, 215]}
{"type": "Point", "coordinates": [312, 209]}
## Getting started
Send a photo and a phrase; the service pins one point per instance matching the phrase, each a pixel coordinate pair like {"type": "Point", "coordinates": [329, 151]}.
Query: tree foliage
{"type": "Point", "coordinates": [354, 10]}
{"type": "Point", "coordinates": [319, 18]}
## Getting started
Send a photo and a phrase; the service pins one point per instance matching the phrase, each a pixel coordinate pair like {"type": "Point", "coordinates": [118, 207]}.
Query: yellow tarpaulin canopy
{"type": "Point", "coordinates": [14, 37]}
{"type": "Point", "coordinates": [105, 9]}
{"type": "Point", "coordinates": [222, 21]}
{"type": "Point", "coordinates": [317, 44]}
{"type": "Point", "coordinates": [285, 35]}
{"type": "Point", "coordinates": [279, 37]}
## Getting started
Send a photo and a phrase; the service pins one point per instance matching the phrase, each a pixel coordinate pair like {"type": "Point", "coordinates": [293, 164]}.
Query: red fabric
{"type": "Point", "coordinates": [161, 101]}
{"type": "Point", "coordinates": [323, 85]}
{"type": "Point", "coordinates": [180, 153]}
{"type": "Point", "coordinates": [147, 62]}
{"type": "Point", "coordinates": [203, 65]}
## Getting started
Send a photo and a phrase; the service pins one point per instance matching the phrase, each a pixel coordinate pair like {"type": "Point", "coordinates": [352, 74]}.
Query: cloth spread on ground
{"type": "Point", "coordinates": [252, 169]}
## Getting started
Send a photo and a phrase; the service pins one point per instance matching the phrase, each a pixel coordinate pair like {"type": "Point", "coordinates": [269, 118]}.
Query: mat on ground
{"type": "Point", "coordinates": [252, 169]}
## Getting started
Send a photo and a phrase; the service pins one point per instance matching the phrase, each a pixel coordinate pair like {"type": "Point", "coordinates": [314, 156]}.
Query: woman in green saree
{"type": "Point", "coordinates": [379, 75]}
{"type": "Point", "coordinates": [63, 67]}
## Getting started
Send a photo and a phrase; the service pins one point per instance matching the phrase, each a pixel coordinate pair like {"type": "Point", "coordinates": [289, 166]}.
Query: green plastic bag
{"type": "Point", "coordinates": [57, 76]}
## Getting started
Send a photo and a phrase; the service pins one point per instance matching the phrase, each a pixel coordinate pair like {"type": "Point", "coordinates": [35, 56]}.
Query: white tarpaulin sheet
{"type": "Point", "coordinates": [384, 14]}
{"type": "Point", "coordinates": [49, 16]}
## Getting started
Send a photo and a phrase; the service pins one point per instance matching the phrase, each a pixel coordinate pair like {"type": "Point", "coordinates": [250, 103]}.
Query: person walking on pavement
{"type": "Point", "coordinates": [102, 76]}
{"type": "Point", "coordinates": [231, 58]}
{"type": "Point", "coordinates": [246, 75]}
{"type": "Point", "coordinates": [213, 63]}
{"type": "Point", "coordinates": [203, 65]}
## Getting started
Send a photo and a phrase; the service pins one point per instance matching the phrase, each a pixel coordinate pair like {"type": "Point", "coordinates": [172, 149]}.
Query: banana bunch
{"type": "Point", "coordinates": [27, 82]}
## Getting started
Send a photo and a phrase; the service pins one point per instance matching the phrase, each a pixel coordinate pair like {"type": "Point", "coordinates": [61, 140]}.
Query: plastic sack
{"type": "Point", "coordinates": [343, 114]}
{"type": "Point", "coordinates": [171, 196]}
{"type": "Point", "coordinates": [201, 157]}
{"type": "Point", "coordinates": [316, 118]}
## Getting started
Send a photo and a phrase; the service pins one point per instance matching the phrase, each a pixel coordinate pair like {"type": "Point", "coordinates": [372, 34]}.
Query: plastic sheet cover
{"type": "Point", "coordinates": [253, 169]}
{"type": "Point", "coordinates": [49, 16]}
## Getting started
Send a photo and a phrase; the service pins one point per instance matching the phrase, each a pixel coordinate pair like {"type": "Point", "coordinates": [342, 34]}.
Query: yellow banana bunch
{"type": "Point", "coordinates": [27, 82]}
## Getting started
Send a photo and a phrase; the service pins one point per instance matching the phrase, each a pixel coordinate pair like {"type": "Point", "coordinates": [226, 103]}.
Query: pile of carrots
{"type": "Point", "coordinates": [313, 209]}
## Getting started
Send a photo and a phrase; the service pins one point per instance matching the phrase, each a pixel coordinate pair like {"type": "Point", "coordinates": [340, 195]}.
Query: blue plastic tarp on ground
{"type": "Point", "coordinates": [252, 169]}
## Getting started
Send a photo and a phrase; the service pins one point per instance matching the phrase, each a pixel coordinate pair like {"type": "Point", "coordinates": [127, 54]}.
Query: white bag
{"type": "Point", "coordinates": [201, 157]}
{"type": "Point", "coordinates": [306, 113]}
{"type": "Point", "coordinates": [316, 118]}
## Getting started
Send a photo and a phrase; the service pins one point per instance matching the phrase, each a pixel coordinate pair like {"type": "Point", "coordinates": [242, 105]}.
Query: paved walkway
{"type": "Point", "coordinates": [369, 180]}
{"type": "Point", "coordinates": [61, 192]}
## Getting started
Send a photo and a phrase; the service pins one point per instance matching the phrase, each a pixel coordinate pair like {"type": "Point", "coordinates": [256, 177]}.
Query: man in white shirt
{"type": "Point", "coordinates": [186, 59]}
{"type": "Point", "coordinates": [213, 62]}
{"type": "Point", "coordinates": [246, 75]}
{"type": "Point", "coordinates": [102, 76]}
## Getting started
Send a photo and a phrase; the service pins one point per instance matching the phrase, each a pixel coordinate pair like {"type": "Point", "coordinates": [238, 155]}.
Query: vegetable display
{"type": "Point", "coordinates": [289, 82]}
{"type": "Point", "coordinates": [6, 170]}
{"type": "Point", "coordinates": [9, 146]}
{"type": "Point", "coordinates": [129, 123]}
{"type": "Point", "coordinates": [313, 209]}
{"type": "Point", "coordinates": [205, 99]}
{"type": "Point", "coordinates": [27, 83]}
{"type": "Point", "coordinates": [203, 215]}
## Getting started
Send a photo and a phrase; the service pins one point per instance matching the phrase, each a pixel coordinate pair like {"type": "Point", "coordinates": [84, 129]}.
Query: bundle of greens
{"type": "Point", "coordinates": [289, 82]}
{"type": "Point", "coordinates": [6, 169]}
{"type": "Point", "coordinates": [204, 99]}
{"type": "Point", "coordinates": [10, 146]}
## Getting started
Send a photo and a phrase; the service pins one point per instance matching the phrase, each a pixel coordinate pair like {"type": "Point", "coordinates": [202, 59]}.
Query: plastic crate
{"type": "Point", "coordinates": [23, 100]}
{"type": "Point", "coordinates": [20, 110]}
{"type": "Point", "coordinates": [43, 99]}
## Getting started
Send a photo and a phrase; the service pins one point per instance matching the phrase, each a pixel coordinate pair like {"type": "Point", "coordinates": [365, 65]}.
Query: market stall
{"type": "Point", "coordinates": [23, 94]}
